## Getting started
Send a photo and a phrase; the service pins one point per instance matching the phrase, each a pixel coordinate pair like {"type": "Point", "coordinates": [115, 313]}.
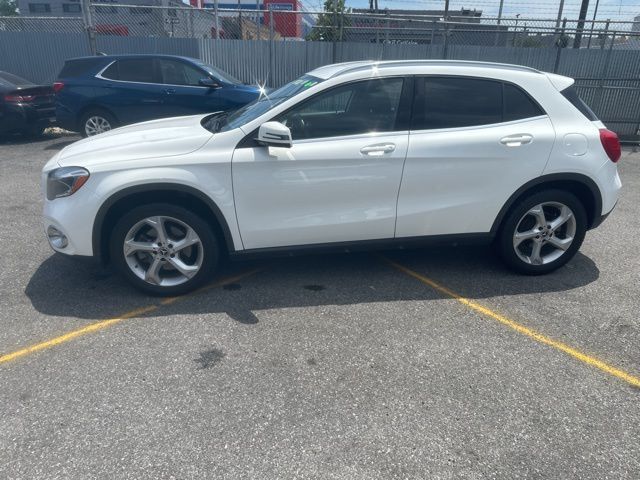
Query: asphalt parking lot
{"type": "Point", "coordinates": [416, 364]}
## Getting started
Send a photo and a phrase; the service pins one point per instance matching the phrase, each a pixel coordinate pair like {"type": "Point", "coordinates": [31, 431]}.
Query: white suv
{"type": "Point", "coordinates": [365, 153]}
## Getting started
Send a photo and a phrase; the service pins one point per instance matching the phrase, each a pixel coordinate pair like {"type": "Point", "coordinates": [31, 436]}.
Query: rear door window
{"type": "Point", "coordinates": [518, 104]}
{"type": "Point", "coordinates": [140, 70]}
{"type": "Point", "coordinates": [454, 102]}
{"type": "Point", "coordinates": [449, 102]}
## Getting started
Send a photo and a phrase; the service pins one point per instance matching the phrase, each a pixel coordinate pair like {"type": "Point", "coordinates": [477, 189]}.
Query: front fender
{"type": "Point", "coordinates": [210, 184]}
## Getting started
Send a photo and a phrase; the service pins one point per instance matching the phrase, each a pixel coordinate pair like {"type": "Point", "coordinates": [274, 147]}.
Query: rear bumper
{"type": "Point", "coordinates": [19, 117]}
{"type": "Point", "coordinates": [609, 184]}
{"type": "Point", "coordinates": [65, 118]}
{"type": "Point", "coordinates": [599, 220]}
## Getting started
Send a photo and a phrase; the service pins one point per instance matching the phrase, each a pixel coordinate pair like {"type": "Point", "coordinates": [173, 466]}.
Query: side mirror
{"type": "Point", "coordinates": [208, 82]}
{"type": "Point", "coordinates": [274, 134]}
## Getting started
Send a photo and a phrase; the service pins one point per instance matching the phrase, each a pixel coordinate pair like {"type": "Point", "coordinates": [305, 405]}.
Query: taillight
{"type": "Point", "coordinates": [13, 98]}
{"type": "Point", "coordinates": [611, 144]}
{"type": "Point", "coordinates": [57, 86]}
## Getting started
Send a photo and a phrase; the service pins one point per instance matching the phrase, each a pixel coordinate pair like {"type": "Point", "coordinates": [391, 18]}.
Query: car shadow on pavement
{"type": "Point", "coordinates": [19, 139]}
{"type": "Point", "coordinates": [60, 145]}
{"type": "Point", "coordinates": [62, 287]}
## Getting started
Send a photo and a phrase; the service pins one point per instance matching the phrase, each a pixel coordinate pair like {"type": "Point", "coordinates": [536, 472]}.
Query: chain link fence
{"type": "Point", "coordinates": [364, 26]}
{"type": "Point", "coordinates": [275, 46]}
{"type": "Point", "coordinates": [42, 24]}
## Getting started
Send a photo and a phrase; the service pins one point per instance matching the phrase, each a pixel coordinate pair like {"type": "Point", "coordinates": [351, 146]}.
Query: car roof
{"type": "Point", "coordinates": [105, 58]}
{"type": "Point", "coordinates": [337, 69]}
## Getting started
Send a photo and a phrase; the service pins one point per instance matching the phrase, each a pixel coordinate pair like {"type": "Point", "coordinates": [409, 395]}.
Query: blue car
{"type": "Point", "coordinates": [96, 94]}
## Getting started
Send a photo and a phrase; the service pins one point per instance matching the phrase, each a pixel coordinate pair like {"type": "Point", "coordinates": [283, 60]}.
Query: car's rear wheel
{"type": "Point", "coordinates": [542, 232]}
{"type": "Point", "coordinates": [95, 122]}
{"type": "Point", "coordinates": [164, 249]}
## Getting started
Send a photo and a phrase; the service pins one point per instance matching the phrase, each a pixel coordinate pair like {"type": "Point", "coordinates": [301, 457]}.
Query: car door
{"type": "Point", "coordinates": [131, 89]}
{"type": "Point", "coordinates": [473, 142]}
{"type": "Point", "coordinates": [183, 94]}
{"type": "Point", "coordinates": [339, 181]}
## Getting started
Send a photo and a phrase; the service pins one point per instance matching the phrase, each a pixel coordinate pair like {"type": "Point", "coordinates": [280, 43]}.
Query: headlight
{"type": "Point", "coordinates": [65, 181]}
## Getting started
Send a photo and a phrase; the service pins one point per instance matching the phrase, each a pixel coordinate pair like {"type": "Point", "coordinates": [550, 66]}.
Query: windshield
{"type": "Point", "coordinates": [219, 74]}
{"type": "Point", "coordinates": [266, 102]}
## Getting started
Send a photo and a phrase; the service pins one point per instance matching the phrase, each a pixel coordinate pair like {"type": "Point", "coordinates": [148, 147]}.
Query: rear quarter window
{"type": "Point", "coordinates": [572, 95]}
{"type": "Point", "coordinates": [76, 68]}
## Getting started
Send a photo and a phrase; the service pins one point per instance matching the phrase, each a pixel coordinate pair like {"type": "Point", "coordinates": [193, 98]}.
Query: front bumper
{"type": "Point", "coordinates": [71, 216]}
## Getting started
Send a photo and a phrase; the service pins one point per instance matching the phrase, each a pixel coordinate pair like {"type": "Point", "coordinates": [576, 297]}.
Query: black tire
{"type": "Point", "coordinates": [96, 112]}
{"type": "Point", "coordinates": [505, 239]}
{"type": "Point", "coordinates": [33, 131]}
{"type": "Point", "coordinates": [208, 241]}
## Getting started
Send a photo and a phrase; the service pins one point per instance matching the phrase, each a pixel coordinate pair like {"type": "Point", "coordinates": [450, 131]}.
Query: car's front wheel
{"type": "Point", "coordinates": [543, 232]}
{"type": "Point", "coordinates": [164, 249]}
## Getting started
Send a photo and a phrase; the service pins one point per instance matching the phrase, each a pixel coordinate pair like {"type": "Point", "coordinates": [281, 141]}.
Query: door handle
{"type": "Point", "coordinates": [379, 149]}
{"type": "Point", "coordinates": [516, 140]}
{"type": "Point", "coordinates": [169, 91]}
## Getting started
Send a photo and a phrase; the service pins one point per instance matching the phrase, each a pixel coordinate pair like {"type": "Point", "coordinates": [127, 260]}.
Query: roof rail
{"type": "Point", "coordinates": [419, 63]}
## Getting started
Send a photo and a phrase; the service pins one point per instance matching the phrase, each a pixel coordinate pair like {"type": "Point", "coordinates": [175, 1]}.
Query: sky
{"type": "Point", "coordinates": [607, 9]}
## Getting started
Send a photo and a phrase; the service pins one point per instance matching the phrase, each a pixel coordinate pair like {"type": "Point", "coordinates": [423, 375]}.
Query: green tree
{"type": "Point", "coordinates": [8, 8]}
{"type": "Point", "coordinates": [331, 23]}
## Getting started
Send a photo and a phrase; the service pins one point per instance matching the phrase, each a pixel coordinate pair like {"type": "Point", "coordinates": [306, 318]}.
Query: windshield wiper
{"type": "Point", "coordinates": [220, 121]}
{"type": "Point", "coordinates": [214, 122]}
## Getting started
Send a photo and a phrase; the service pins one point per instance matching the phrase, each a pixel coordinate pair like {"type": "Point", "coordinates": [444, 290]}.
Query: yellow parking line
{"type": "Point", "coordinates": [102, 324]}
{"type": "Point", "coordinates": [537, 336]}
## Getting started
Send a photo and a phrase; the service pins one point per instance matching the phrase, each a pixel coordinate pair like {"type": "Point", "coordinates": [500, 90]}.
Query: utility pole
{"type": "Point", "coordinates": [335, 27]}
{"type": "Point", "coordinates": [239, 20]}
{"type": "Point", "coordinates": [87, 16]}
{"type": "Point", "coordinates": [216, 18]}
{"type": "Point", "coordinates": [580, 27]}
{"type": "Point", "coordinates": [559, 18]}
{"type": "Point", "coordinates": [499, 21]}
{"type": "Point", "coordinates": [593, 23]}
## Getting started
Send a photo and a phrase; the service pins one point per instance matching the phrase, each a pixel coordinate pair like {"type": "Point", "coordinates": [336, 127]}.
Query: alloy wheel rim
{"type": "Point", "coordinates": [96, 125]}
{"type": "Point", "coordinates": [544, 233]}
{"type": "Point", "coordinates": [163, 251]}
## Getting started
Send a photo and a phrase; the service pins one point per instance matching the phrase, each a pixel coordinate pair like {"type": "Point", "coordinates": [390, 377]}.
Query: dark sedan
{"type": "Point", "coordinates": [24, 106]}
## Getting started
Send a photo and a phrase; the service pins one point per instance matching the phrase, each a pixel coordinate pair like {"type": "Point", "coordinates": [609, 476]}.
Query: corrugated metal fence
{"type": "Point", "coordinates": [608, 79]}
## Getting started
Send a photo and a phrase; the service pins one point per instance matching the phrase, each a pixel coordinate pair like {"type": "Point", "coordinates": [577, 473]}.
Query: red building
{"type": "Point", "coordinates": [286, 24]}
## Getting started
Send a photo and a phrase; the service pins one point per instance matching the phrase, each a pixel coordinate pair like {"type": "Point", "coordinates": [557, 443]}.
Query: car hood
{"type": "Point", "coordinates": [154, 139]}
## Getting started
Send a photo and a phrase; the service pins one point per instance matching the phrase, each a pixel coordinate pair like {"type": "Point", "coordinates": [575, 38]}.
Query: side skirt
{"type": "Point", "coordinates": [365, 245]}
